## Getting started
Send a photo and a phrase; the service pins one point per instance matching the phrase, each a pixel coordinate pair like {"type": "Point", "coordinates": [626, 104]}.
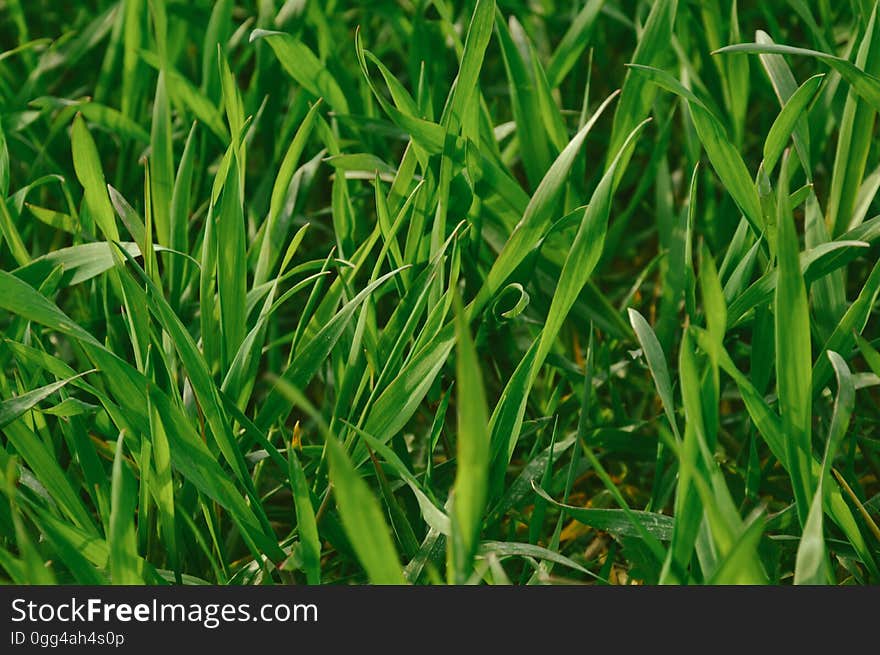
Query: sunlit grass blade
{"type": "Point", "coordinates": [163, 488]}
{"type": "Point", "coordinates": [305, 519]}
{"type": "Point", "coordinates": [533, 141]}
{"type": "Point", "coordinates": [302, 65]}
{"type": "Point", "coordinates": [865, 84]}
{"type": "Point", "coordinates": [537, 214]}
{"type": "Point", "coordinates": [363, 519]}
{"type": "Point", "coordinates": [123, 554]}
{"type": "Point", "coordinates": [656, 364]}
{"type": "Point", "coordinates": [784, 85]}
{"type": "Point", "coordinates": [479, 31]}
{"type": "Point", "coordinates": [12, 408]}
{"type": "Point", "coordinates": [472, 460]}
{"type": "Point", "coordinates": [793, 355]}
{"type": "Point", "coordinates": [788, 120]}
{"type": "Point", "coordinates": [586, 248]}
{"type": "Point", "coordinates": [162, 164]}
{"type": "Point", "coordinates": [91, 175]}
{"type": "Point", "coordinates": [812, 565]}
{"type": "Point", "coordinates": [270, 248]}
{"type": "Point", "coordinates": [859, 116]}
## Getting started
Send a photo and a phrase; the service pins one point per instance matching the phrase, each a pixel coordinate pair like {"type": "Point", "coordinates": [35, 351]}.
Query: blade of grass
{"type": "Point", "coordinates": [793, 355]}
{"type": "Point", "coordinates": [362, 519]}
{"type": "Point", "coordinates": [469, 492]}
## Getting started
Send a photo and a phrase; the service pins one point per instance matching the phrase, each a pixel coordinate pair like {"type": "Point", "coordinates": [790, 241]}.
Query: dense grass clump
{"type": "Point", "coordinates": [439, 291]}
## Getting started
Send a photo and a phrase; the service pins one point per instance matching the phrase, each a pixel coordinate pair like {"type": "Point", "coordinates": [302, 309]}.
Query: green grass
{"type": "Point", "coordinates": [439, 292]}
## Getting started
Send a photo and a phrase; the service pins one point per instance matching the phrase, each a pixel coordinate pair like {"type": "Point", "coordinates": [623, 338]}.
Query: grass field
{"type": "Point", "coordinates": [439, 291]}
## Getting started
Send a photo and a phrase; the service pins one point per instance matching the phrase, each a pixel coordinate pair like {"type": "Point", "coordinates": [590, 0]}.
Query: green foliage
{"type": "Point", "coordinates": [467, 291]}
